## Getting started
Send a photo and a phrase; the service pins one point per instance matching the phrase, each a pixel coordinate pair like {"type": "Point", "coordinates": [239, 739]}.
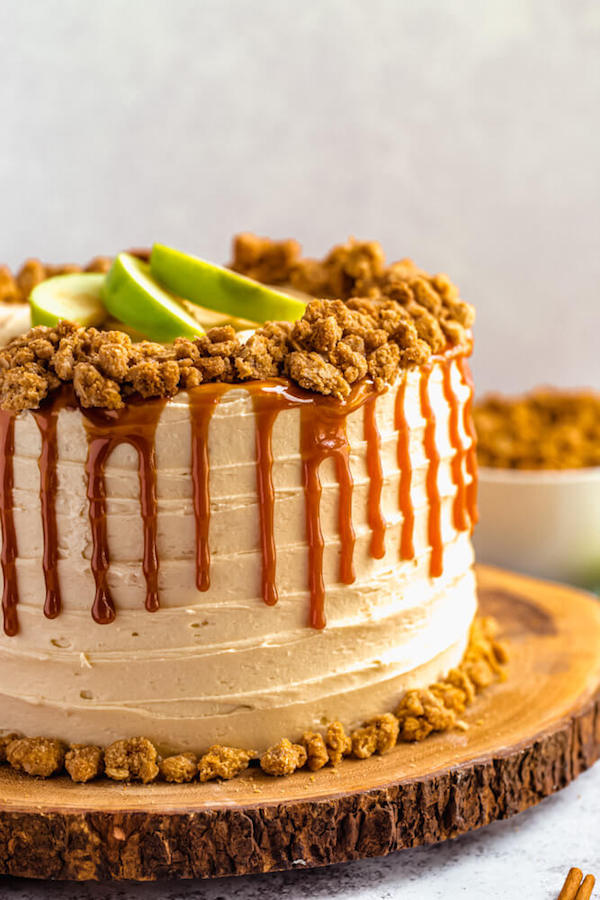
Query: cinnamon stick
{"type": "Point", "coordinates": [587, 886]}
{"type": "Point", "coordinates": [571, 886]}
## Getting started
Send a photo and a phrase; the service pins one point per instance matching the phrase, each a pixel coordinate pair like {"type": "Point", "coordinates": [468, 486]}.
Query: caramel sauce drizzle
{"type": "Point", "coordinates": [8, 555]}
{"type": "Point", "coordinates": [46, 419]}
{"type": "Point", "coordinates": [266, 410]}
{"type": "Point", "coordinates": [375, 470]}
{"type": "Point", "coordinates": [106, 429]}
{"type": "Point", "coordinates": [202, 402]}
{"type": "Point", "coordinates": [407, 548]}
{"type": "Point", "coordinates": [323, 434]}
{"type": "Point", "coordinates": [459, 508]}
{"type": "Point", "coordinates": [434, 522]}
{"type": "Point", "coordinates": [469, 427]}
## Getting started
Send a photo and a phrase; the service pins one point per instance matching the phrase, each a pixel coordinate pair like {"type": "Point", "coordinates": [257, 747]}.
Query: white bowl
{"type": "Point", "coordinates": [543, 522]}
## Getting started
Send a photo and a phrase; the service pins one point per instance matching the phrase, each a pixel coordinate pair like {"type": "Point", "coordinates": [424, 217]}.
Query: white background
{"type": "Point", "coordinates": [462, 133]}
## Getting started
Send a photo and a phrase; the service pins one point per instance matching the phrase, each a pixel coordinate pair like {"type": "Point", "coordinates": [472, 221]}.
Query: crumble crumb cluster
{"type": "Point", "coordinates": [546, 429]}
{"type": "Point", "coordinates": [17, 288]}
{"type": "Point", "coordinates": [419, 714]}
{"type": "Point", "coordinates": [371, 320]}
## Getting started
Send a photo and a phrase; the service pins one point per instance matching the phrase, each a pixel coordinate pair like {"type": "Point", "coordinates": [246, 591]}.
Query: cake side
{"type": "Point", "coordinates": [220, 664]}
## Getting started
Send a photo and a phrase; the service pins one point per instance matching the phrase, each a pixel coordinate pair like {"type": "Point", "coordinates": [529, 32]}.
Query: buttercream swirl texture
{"type": "Point", "coordinates": [247, 650]}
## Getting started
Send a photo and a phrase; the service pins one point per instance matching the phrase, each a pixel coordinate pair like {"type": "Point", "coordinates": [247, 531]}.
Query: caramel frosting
{"type": "Point", "coordinates": [237, 563]}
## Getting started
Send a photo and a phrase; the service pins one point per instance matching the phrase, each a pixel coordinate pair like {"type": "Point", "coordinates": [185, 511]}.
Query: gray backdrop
{"type": "Point", "coordinates": [464, 134]}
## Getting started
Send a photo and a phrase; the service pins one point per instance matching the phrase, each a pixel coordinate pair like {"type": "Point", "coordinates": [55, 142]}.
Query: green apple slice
{"type": "Point", "coordinates": [76, 297]}
{"type": "Point", "coordinates": [133, 296]}
{"type": "Point", "coordinates": [221, 289]}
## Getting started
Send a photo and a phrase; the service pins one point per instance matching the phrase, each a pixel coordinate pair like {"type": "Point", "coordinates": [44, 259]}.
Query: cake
{"type": "Point", "coordinates": [236, 539]}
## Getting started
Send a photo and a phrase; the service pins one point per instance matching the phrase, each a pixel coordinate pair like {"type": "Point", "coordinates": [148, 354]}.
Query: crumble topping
{"type": "Point", "coordinates": [179, 769]}
{"type": "Point", "coordinates": [379, 735]}
{"type": "Point", "coordinates": [5, 740]}
{"type": "Point", "coordinates": [370, 319]}
{"type": "Point", "coordinates": [36, 756]}
{"type": "Point", "coordinates": [317, 755]}
{"type": "Point", "coordinates": [437, 708]}
{"type": "Point", "coordinates": [17, 288]}
{"type": "Point", "coordinates": [84, 762]}
{"type": "Point", "coordinates": [339, 744]}
{"type": "Point", "coordinates": [223, 762]}
{"type": "Point", "coordinates": [131, 760]}
{"type": "Point", "coordinates": [283, 758]}
{"type": "Point", "coordinates": [545, 429]}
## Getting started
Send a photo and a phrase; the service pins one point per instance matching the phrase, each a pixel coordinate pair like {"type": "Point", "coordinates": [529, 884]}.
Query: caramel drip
{"type": "Point", "coordinates": [376, 519]}
{"type": "Point", "coordinates": [266, 408]}
{"type": "Point", "coordinates": [202, 401]}
{"type": "Point", "coordinates": [434, 524]}
{"type": "Point", "coordinates": [323, 434]}
{"type": "Point", "coordinates": [471, 457]}
{"type": "Point", "coordinates": [46, 420]}
{"type": "Point", "coordinates": [459, 509]}
{"type": "Point", "coordinates": [407, 548]}
{"type": "Point", "coordinates": [106, 429]}
{"type": "Point", "coordinates": [8, 555]}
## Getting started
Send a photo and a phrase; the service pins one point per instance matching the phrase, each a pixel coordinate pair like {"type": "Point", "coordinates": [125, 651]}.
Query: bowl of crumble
{"type": "Point", "coordinates": [539, 484]}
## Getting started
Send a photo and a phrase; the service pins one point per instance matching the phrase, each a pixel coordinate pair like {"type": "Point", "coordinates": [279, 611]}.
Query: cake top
{"type": "Point", "coordinates": [546, 429]}
{"type": "Point", "coordinates": [371, 320]}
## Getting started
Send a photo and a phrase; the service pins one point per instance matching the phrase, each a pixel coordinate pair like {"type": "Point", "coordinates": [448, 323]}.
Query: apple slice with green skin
{"type": "Point", "coordinates": [76, 297]}
{"type": "Point", "coordinates": [221, 289]}
{"type": "Point", "coordinates": [132, 295]}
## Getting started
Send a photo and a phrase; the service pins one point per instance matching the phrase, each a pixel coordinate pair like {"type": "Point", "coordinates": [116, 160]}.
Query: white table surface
{"type": "Point", "coordinates": [524, 858]}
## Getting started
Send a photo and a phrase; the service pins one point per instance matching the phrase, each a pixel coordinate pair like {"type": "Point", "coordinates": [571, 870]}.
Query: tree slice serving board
{"type": "Point", "coordinates": [527, 737]}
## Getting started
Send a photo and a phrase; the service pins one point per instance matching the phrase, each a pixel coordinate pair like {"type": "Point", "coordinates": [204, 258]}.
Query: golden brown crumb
{"type": "Point", "coordinates": [131, 760]}
{"type": "Point", "coordinates": [5, 740]}
{"type": "Point", "coordinates": [437, 708]}
{"type": "Point", "coordinates": [223, 762]}
{"type": "Point", "coordinates": [379, 735]}
{"type": "Point", "coordinates": [420, 712]}
{"type": "Point", "coordinates": [36, 756]}
{"type": "Point", "coordinates": [364, 742]}
{"type": "Point", "coordinates": [84, 762]}
{"type": "Point", "coordinates": [99, 264]}
{"type": "Point", "coordinates": [264, 259]}
{"type": "Point", "coordinates": [316, 750]}
{"type": "Point", "coordinates": [546, 429]}
{"type": "Point", "coordinates": [283, 758]}
{"type": "Point", "coordinates": [375, 320]}
{"type": "Point", "coordinates": [339, 744]}
{"type": "Point", "coordinates": [9, 289]}
{"type": "Point", "coordinates": [180, 768]}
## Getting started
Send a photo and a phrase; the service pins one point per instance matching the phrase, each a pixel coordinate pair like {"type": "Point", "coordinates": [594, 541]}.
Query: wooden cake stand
{"type": "Point", "coordinates": [527, 737]}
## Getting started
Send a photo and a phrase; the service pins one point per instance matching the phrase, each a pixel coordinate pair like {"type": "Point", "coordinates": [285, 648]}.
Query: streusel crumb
{"type": "Point", "coordinates": [17, 288]}
{"type": "Point", "coordinates": [339, 744]}
{"type": "Point", "coordinates": [84, 762]}
{"type": "Point", "coordinates": [180, 768]}
{"type": "Point", "coordinates": [378, 735]}
{"type": "Point", "coordinates": [131, 760]}
{"type": "Point", "coordinates": [223, 762]}
{"type": "Point", "coordinates": [546, 429]}
{"type": "Point", "coordinates": [316, 750]}
{"type": "Point", "coordinates": [36, 756]}
{"type": "Point", "coordinates": [374, 320]}
{"type": "Point", "coordinates": [283, 758]}
{"type": "Point", "coordinates": [438, 707]}
{"type": "Point", "coordinates": [5, 740]}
